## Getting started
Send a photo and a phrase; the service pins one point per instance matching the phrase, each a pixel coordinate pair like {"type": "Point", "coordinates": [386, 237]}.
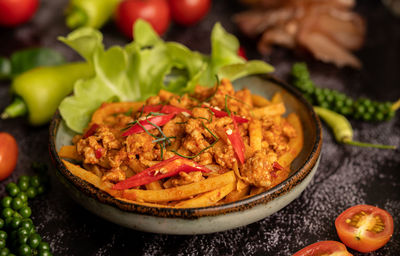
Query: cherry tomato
{"type": "Point", "coordinates": [16, 12]}
{"type": "Point", "coordinates": [364, 228]}
{"type": "Point", "coordinates": [8, 154]}
{"type": "Point", "coordinates": [189, 12]}
{"type": "Point", "coordinates": [324, 248]}
{"type": "Point", "coordinates": [156, 12]}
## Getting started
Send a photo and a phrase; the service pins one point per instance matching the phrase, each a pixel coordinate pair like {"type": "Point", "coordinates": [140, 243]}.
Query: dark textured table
{"type": "Point", "coordinates": [346, 176]}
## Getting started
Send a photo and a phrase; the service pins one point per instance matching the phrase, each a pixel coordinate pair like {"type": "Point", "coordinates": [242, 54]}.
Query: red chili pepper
{"type": "Point", "coordinates": [91, 130]}
{"type": "Point", "coordinates": [236, 141]}
{"type": "Point", "coordinates": [98, 153]}
{"type": "Point", "coordinates": [164, 169]}
{"type": "Point", "coordinates": [277, 166]}
{"type": "Point", "coordinates": [151, 108]}
{"type": "Point", "coordinates": [169, 109]}
{"type": "Point", "coordinates": [220, 113]}
{"type": "Point", "coordinates": [157, 120]}
{"type": "Point", "coordinates": [165, 109]}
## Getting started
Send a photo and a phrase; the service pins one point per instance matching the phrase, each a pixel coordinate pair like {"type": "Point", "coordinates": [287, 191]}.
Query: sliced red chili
{"type": "Point", "coordinates": [165, 109]}
{"type": "Point", "coordinates": [277, 166]}
{"type": "Point", "coordinates": [148, 124]}
{"type": "Point", "coordinates": [98, 153]}
{"type": "Point", "coordinates": [242, 52]}
{"type": "Point", "coordinates": [169, 109]}
{"type": "Point", "coordinates": [151, 108]}
{"type": "Point", "coordinates": [164, 169]}
{"type": "Point", "coordinates": [236, 141]}
{"type": "Point", "coordinates": [91, 131]}
{"type": "Point", "coordinates": [220, 113]}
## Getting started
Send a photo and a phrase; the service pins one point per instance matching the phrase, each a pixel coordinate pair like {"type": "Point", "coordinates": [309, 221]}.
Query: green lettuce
{"type": "Point", "coordinates": [146, 65]}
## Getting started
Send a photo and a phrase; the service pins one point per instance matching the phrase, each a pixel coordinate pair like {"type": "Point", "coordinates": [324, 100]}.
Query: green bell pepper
{"type": "Point", "coordinates": [39, 91]}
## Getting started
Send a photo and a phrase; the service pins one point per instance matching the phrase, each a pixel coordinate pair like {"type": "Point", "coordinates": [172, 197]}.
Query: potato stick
{"type": "Point", "coordinates": [255, 133]}
{"type": "Point", "coordinates": [86, 175]}
{"type": "Point", "coordinates": [113, 108]}
{"type": "Point", "coordinates": [209, 198]}
{"type": "Point", "coordinates": [242, 189]}
{"type": "Point", "coordinates": [256, 190]}
{"type": "Point", "coordinates": [165, 95]}
{"type": "Point", "coordinates": [295, 144]}
{"type": "Point", "coordinates": [270, 110]}
{"type": "Point", "coordinates": [181, 192]}
{"type": "Point", "coordinates": [69, 152]}
{"type": "Point", "coordinates": [277, 98]}
{"type": "Point", "coordinates": [259, 101]}
{"type": "Point", "coordinates": [155, 185]}
{"type": "Point", "coordinates": [143, 203]}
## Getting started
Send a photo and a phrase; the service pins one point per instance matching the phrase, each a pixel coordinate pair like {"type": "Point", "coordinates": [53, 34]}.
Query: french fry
{"type": "Point", "coordinates": [241, 190]}
{"type": "Point", "coordinates": [112, 108]}
{"type": "Point", "coordinates": [295, 144]}
{"type": "Point", "coordinates": [270, 110]}
{"type": "Point", "coordinates": [181, 192]}
{"type": "Point", "coordinates": [69, 152]}
{"type": "Point", "coordinates": [255, 133]}
{"type": "Point", "coordinates": [259, 101]}
{"type": "Point", "coordinates": [207, 199]}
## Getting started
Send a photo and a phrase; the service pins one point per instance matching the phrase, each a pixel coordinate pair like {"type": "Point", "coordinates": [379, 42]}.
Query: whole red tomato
{"type": "Point", "coordinates": [156, 12]}
{"type": "Point", "coordinates": [16, 12]}
{"type": "Point", "coordinates": [8, 154]}
{"type": "Point", "coordinates": [188, 12]}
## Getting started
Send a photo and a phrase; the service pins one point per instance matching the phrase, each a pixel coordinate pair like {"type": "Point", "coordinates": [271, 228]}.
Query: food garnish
{"type": "Point", "coordinates": [364, 228]}
{"type": "Point", "coordinates": [362, 108]}
{"type": "Point", "coordinates": [328, 29]}
{"type": "Point", "coordinates": [147, 65]}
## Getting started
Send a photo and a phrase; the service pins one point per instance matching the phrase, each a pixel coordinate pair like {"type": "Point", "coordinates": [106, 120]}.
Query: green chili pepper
{"type": "Point", "coordinates": [89, 13]}
{"type": "Point", "coordinates": [39, 91]}
{"type": "Point", "coordinates": [342, 129]}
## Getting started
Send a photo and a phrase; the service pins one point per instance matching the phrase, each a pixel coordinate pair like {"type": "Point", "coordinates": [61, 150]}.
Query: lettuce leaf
{"type": "Point", "coordinates": [146, 65]}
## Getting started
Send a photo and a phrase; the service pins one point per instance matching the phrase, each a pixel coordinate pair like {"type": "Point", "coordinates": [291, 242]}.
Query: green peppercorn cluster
{"type": "Point", "coordinates": [362, 108]}
{"type": "Point", "coordinates": [18, 234]}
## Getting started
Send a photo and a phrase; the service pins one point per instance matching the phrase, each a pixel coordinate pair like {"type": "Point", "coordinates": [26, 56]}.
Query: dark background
{"type": "Point", "coordinates": [346, 176]}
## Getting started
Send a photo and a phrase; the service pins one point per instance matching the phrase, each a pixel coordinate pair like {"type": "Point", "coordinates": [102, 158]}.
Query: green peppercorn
{"type": "Point", "coordinates": [17, 203]}
{"type": "Point", "coordinates": [15, 222]}
{"type": "Point", "coordinates": [7, 212]}
{"type": "Point", "coordinates": [4, 252]}
{"type": "Point", "coordinates": [3, 235]}
{"type": "Point", "coordinates": [2, 243]}
{"type": "Point", "coordinates": [6, 201]}
{"type": "Point", "coordinates": [35, 181]}
{"type": "Point", "coordinates": [27, 224]}
{"type": "Point", "coordinates": [34, 240]}
{"type": "Point", "coordinates": [1, 223]}
{"type": "Point", "coordinates": [25, 211]}
{"type": "Point", "coordinates": [40, 190]}
{"type": "Point", "coordinates": [23, 196]}
{"type": "Point", "coordinates": [24, 250]}
{"type": "Point", "coordinates": [45, 253]}
{"type": "Point", "coordinates": [43, 246]}
{"type": "Point", "coordinates": [12, 189]}
{"type": "Point", "coordinates": [31, 192]}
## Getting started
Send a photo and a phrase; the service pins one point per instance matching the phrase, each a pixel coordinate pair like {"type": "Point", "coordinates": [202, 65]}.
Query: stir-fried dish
{"type": "Point", "coordinates": [210, 147]}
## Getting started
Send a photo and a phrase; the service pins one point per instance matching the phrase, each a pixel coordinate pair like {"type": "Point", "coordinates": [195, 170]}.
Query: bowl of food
{"type": "Point", "coordinates": [204, 162]}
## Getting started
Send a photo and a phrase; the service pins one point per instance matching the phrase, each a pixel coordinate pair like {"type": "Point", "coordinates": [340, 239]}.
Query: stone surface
{"type": "Point", "coordinates": [347, 175]}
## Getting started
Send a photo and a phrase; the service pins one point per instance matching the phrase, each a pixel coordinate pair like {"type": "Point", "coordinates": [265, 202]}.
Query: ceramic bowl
{"type": "Point", "coordinates": [205, 219]}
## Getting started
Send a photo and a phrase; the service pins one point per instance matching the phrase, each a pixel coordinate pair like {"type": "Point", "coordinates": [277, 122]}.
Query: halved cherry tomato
{"type": "Point", "coordinates": [325, 248]}
{"type": "Point", "coordinates": [364, 228]}
{"type": "Point", "coordinates": [8, 154]}
{"type": "Point", "coordinates": [16, 12]}
{"type": "Point", "coordinates": [188, 12]}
